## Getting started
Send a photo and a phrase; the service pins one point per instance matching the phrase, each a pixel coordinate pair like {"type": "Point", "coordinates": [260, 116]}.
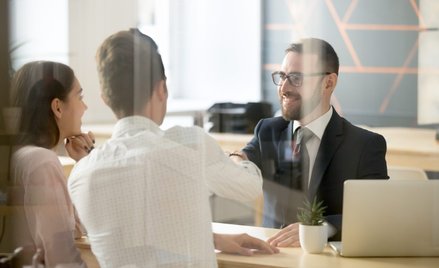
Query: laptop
{"type": "Point", "coordinates": [389, 218]}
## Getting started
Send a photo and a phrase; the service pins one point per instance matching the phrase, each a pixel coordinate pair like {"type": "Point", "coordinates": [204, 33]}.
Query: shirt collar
{"type": "Point", "coordinates": [317, 126]}
{"type": "Point", "coordinates": [133, 124]}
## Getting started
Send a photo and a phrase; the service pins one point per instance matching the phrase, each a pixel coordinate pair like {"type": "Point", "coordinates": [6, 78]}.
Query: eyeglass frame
{"type": "Point", "coordinates": [287, 77]}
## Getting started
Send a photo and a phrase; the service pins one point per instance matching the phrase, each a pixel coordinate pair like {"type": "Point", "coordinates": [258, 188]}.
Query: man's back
{"type": "Point", "coordinates": [143, 199]}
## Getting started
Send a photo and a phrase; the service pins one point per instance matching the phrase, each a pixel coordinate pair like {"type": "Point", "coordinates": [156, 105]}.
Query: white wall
{"type": "Point", "coordinates": [428, 61]}
{"type": "Point", "coordinates": [215, 50]}
{"type": "Point", "coordinates": [39, 31]}
{"type": "Point", "coordinates": [211, 48]}
{"type": "Point", "coordinates": [90, 22]}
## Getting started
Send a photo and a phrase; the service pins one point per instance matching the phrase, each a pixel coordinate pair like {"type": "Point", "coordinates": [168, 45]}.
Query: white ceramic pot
{"type": "Point", "coordinates": [313, 238]}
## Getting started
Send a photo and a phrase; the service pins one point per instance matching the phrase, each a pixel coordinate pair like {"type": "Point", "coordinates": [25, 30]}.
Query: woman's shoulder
{"type": "Point", "coordinates": [35, 156]}
{"type": "Point", "coordinates": [36, 165]}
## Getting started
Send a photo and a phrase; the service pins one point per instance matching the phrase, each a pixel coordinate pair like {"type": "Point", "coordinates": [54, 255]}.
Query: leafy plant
{"type": "Point", "coordinates": [311, 213]}
{"type": "Point", "coordinates": [13, 49]}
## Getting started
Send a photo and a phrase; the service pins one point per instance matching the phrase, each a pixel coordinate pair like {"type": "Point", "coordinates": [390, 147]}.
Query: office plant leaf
{"type": "Point", "coordinates": [311, 213]}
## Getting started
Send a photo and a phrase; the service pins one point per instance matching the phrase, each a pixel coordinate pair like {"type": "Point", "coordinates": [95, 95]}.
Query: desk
{"type": "Point", "coordinates": [411, 147]}
{"type": "Point", "coordinates": [192, 108]}
{"type": "Point", "coordinates": [67, 164]}
{"type": "Point", "coordinates": [231, 142]}
{"type": "Point", "coordinates": [295, 257]}
{"type": "Point", "coordinates": [288, 257]}
{"type": "Point", "coordinates": [102, 132]}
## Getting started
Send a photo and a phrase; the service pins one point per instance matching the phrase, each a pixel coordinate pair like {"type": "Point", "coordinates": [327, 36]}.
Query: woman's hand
{"type": "Point", "coordinates": [80, 145]}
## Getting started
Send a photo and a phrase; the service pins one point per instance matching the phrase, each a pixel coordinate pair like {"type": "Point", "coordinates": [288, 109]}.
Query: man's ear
{"type": "Point", "coordinates": [56, 106]}
{"type": "Point", "coordinates": [104, 99]}
{"type": "Point", "coordinates": [162, 90]}
{"type": "Point", "coordinates": [331, 81]}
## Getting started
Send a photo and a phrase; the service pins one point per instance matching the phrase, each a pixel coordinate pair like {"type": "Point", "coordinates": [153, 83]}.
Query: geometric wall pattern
{"type": "Point", "coordinates": [377, 43]}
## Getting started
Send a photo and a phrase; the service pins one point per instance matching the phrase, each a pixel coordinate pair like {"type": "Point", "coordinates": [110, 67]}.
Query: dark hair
{"type": "Point", "coordinates": [129, 65]}
{"type": "Point", "coordinates": [327, 55]}
{"type": "Point", "coordinates": [33, 88]}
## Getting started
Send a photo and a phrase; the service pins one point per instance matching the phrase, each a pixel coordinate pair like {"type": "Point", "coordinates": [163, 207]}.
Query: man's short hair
{"type": "Point", "coordinates": [327, 55]}
{"type": "Point", "coordinates": [129, 66]}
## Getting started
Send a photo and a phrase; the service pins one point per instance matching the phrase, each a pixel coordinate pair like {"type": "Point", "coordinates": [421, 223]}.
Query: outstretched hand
{"type": "Point", "coordinates": [287, 237]}
{"type": "Point", "coordinates": [242, 244]}
{"type": "Point", "coordinates": [80, 145]}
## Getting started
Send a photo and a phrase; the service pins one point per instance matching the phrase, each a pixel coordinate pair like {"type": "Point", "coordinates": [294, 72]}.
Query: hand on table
{"type": "Point", "coordinates": [242, 244]}
{"type": "Point", "coordinates": [287, 237]}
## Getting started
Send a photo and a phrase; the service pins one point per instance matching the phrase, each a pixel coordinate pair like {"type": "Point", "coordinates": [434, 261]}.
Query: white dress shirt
{"type": "Point", "coordinates": [143, 195]}
{"type": "Point", "coordinates": [317, 127]}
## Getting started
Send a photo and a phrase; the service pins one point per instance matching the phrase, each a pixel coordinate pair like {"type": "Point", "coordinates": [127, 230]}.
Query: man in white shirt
{"type": "Point", "coordinates": [143, 195]}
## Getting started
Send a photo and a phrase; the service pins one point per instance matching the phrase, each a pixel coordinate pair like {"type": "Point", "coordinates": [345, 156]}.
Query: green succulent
{"type": "Point", "coordinates": [311, 213]}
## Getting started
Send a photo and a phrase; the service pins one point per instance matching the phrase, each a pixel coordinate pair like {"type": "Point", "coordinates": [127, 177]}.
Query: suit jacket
{"type": "Point", "coordinates": [345, 152]}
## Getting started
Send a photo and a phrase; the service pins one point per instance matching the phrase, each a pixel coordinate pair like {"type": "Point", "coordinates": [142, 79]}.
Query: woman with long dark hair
{"type": "Point", "coordinates": [51, 102]}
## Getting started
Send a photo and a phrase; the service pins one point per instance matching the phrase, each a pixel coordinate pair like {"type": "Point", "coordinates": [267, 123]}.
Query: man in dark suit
{"type": "Point", "coordinates": [329, 151]}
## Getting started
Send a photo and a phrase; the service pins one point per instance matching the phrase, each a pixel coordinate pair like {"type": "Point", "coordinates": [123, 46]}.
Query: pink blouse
{"type": "Point", "coordinates": [49, 217]}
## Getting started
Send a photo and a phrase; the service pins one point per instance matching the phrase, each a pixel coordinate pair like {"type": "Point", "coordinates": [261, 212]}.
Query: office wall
{"type": "Point", "coordinates": [33, 33]}
{"type": "Point", "coordinates": [215, 50]}
{"type": "Point", "coordinates": [211, 49]}
{"type": "Point", "coordinates": [90, 22]}
{"type": "Point", "coordinates": [428, 77]}
{"type": "Point", "coordinates": [377, 43]}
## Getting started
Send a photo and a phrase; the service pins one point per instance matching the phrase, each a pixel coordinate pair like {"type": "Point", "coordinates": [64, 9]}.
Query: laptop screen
{"type": "Point", "coordinates": [390, 218]}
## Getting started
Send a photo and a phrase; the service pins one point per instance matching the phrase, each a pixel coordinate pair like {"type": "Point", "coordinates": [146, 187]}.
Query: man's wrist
{"type": "Point", "coordinates": [238, 154]}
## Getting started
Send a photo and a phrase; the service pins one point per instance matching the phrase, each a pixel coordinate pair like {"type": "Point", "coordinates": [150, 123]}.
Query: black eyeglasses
{"type": "Point", "coordinates": [295, 79]}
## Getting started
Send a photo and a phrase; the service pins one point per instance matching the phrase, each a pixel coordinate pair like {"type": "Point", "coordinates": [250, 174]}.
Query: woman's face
{"type": "Point", "coordinates": [73, 109]}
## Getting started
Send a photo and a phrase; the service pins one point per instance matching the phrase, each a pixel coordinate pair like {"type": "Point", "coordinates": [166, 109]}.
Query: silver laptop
{"type": "Point", "coordinates": [390, 218]}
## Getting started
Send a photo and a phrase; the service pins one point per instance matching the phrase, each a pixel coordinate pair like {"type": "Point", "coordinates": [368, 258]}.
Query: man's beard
{"type": "Point", "coordinates": [302, 109]}
{"type": "Point", "coordinates": [294, 113]}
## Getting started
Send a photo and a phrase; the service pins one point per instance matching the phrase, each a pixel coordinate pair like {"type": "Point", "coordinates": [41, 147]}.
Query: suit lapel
{"type": "Point", "coordinates": [331, 139]}
{"type": "Point", "coordinates": [284, 144]}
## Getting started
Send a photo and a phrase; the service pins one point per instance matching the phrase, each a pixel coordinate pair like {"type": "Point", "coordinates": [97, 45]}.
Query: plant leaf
{"type": "Point", "coordinates": [312, 212]}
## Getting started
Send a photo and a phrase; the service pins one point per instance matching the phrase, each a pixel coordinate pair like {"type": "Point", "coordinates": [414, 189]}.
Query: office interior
{"type": "Point", "coordinates": [224, 51]}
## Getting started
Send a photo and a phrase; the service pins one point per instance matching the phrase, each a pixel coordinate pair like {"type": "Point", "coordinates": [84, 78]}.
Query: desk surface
{"type": "Point", "coordinates": [288, 257]}
{"type": "Point", "coordinates": [411, 147]}
{"type": "Point", "coordinates": [410, 140]}
{"type": "Point", "coordinates": [295, 257]}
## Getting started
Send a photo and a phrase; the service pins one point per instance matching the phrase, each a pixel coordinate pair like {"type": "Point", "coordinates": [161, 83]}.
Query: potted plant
{"type": "Point", "coordinates": [312, 232]}
{"type": "Point", "coordinates": [11, 114]}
